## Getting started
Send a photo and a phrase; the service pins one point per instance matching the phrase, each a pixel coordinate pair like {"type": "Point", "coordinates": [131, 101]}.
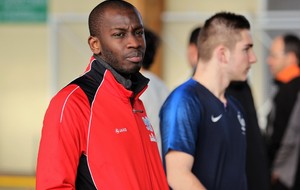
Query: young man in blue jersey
{"type": "Point", "coordinates": [203, 130]}
{"type": "Point", "coordinates": [258, 177]}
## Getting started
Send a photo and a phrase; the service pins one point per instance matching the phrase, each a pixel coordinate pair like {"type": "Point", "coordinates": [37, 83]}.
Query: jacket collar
{"type": "Point", "coordinates": [288, 73]}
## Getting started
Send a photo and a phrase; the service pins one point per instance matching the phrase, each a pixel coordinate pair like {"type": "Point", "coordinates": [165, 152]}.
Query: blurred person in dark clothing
{"type": "Point", "coordinates": [283, 62]}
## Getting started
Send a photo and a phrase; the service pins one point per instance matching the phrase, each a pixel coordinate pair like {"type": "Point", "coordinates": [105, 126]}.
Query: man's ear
{"type": "Point", "coordinates": [292, 58]}
{"type": "Point", "coordinates": [222, 53]}
{"type": "Point", "coordinates": [94, 44]}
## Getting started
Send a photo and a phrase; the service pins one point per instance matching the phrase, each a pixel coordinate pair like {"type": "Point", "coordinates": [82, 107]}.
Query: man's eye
{"type": "Point", "coordinates": [246, 50]}
{"type": "Point", "coordinates": [139, 32]}
{"type": "Point", "coordinates": [118, 34]}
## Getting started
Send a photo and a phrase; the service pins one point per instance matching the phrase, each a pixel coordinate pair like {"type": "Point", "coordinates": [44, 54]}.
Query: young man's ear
{"type": "Point", "coordinates": [222, 54]}
{"type": "Point", "coordinates": [94, 44]}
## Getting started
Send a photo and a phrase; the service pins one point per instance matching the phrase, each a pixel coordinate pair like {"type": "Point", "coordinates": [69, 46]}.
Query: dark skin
{"type": "Point", "coordinates": [121, 41]}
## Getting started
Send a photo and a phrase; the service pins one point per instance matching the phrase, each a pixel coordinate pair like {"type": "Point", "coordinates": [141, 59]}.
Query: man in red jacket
{"type": "Point", "coordinates": [96, 134]}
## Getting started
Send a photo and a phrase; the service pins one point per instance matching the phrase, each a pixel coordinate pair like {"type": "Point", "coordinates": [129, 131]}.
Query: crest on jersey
{"type": "Point", "coordinates": [242, 123]}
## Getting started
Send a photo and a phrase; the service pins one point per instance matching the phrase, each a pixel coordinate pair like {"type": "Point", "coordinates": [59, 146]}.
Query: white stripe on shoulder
{"type": "Point", "coordinates": [89, 129]}
{"type": "Point", "coordinates": [63, 108]}
{"type": "Point", "coordinates": [91, 115]}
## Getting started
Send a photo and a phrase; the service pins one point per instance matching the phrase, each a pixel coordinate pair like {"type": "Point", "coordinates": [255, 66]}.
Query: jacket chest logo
{"type": "Point", "coordinates": [242, 123]}
{"type": "Point", "coordinates": [149, 128]}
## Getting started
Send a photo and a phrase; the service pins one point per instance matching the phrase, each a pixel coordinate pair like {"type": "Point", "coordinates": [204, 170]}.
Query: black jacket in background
{"type": "Point", "coordinates": [283, 102]}
{"type": "Point", "coordinates": [256, 164]}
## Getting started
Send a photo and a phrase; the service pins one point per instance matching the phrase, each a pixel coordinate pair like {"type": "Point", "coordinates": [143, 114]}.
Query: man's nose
{"type": "Point", "coordinates": [134, 41]}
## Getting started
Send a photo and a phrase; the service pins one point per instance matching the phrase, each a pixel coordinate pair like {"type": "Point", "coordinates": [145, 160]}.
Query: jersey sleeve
{"type": "Point", "coordinates": [62, 140]}
{"type": "Point", "coordinates": [180, 117]}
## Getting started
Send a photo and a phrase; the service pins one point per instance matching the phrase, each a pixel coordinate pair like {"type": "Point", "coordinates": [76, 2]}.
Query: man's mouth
{"type": "Point", "coordinates": [134, 57]}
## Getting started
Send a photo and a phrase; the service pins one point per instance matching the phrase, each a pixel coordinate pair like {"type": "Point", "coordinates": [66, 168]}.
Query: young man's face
{"type": "Point", "coordinates": [122, 41]}
{"type": "Point", "coordinates": [242, 57]}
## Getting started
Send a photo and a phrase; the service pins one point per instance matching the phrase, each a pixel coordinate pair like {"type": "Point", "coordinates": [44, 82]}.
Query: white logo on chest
{"type": "Point", "coordinates": [216, 119]}
{"type": "Point", "coordinates": [149, 128]}
{"type": "Point", "coordinates": [121, 130]}
{"type": "Point", "coordinates": [242, 123]}
{"type": "Point", "coordinates": [147, 124]}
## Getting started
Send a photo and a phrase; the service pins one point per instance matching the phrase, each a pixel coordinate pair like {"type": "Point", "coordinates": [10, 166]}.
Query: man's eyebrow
{"type": "Point", "coordinates": [125, 28]}
{"type": "Point", "coordinates": [119, 28]}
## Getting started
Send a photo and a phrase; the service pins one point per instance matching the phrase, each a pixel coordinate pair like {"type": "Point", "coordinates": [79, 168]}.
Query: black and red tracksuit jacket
{"type": "Point", "coordinates": [96, 135]}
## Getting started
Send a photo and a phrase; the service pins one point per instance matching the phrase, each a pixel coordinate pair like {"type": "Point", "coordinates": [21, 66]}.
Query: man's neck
{"type": "Point", "coordinates": [212, 80]}
{"type": "Point", "coordinates": [124, 80]}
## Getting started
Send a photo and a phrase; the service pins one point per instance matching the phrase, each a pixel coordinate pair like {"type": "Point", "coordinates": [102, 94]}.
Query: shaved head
{"type": "Point", "coordinates": [97, 14]}
{"type": "Point", "coordinates": [222, 28]}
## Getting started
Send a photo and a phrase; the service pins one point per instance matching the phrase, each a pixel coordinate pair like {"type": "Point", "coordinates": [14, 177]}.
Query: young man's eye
{"type": "Point", "coordinates": [246, 50]}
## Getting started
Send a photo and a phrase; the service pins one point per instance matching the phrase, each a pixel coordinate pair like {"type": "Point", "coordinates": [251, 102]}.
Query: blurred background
{"type": "Point", "coordinates": [43, 46]}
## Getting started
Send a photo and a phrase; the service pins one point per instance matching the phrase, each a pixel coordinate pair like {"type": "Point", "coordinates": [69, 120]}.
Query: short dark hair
{"type": "Point", "coordinates": [96, 16]}
{"type": "Point", "coordinates": [222, 28]}
{"type": "Point", "coordinates": [194, 35]}
{"type": "Point", "coordinates": [152, 43]}
{"type": "Point", "coordinates": [292, 44]}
